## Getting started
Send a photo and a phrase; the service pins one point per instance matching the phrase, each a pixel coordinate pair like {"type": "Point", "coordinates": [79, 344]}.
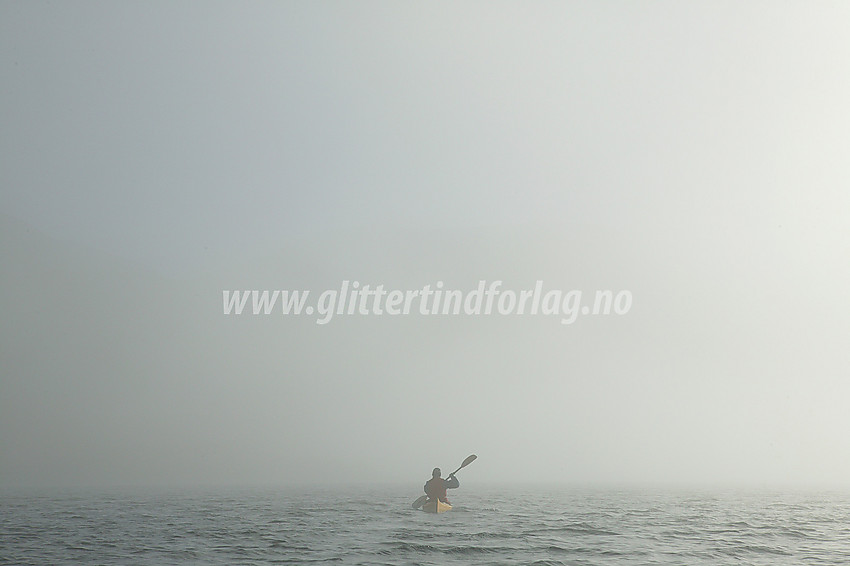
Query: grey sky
{"type": "Point", "coordinates": [154, 154]}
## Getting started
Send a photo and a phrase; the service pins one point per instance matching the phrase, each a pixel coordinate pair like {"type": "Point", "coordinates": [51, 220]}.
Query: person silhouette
{"type": "Point", "coordinates": [436, 487]}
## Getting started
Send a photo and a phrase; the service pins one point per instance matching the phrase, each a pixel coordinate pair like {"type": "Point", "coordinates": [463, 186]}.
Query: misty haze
{"type": "Point", "coordinates": [688, 161]}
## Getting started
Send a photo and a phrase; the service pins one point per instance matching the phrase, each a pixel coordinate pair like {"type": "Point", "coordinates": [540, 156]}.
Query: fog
{"type": "Point", "coordinates": [155, 155]}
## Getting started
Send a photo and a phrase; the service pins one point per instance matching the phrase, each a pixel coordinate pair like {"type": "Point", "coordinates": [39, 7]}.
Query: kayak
{"type": "Point", "coordinates": [436, 506]}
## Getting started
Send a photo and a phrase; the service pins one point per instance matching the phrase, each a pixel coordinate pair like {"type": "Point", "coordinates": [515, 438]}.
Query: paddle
{"type": "Point", "coordinates": [469, 459]}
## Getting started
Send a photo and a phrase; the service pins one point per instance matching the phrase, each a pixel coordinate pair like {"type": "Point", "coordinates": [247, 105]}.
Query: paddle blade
{"type": "Point", "coordinates": [420, 502]}
{"type": "Point", "coordinates": [469, 459]}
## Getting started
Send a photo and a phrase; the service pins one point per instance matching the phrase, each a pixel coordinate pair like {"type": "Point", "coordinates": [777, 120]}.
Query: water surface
{"type": "Point", "coordinates": [487, 526]}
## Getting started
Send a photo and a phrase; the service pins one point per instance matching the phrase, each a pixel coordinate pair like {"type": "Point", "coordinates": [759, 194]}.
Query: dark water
{"type": "Point", "coordinates": [545, 527]}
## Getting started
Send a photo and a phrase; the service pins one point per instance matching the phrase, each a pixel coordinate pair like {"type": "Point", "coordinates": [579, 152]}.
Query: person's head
{"type": "Point", "coordinates": [436, 473]}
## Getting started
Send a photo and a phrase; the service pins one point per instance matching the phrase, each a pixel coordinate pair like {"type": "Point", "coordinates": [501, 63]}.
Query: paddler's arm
{"type": "Point", "coordinates": [452, 482]}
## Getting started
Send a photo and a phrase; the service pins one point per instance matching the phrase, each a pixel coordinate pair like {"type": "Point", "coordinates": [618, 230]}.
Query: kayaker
{"type": "Point", "coordinates": [436, 487]}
